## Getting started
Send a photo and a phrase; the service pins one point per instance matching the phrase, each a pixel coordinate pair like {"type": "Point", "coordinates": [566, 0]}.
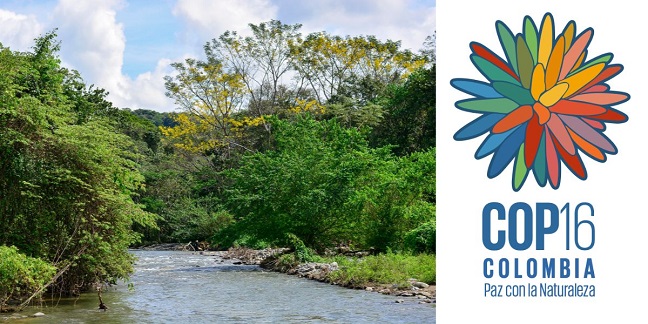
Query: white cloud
{"type": "Point", "coordinates": [207, 19]}
{"type": "Point", "coordinates": [18, 31]}
{"type": "Point", "coordinates": [148, 89]}
{"type": "Point", "coordinates": [94, 43]}
{"type": "Point", "coordinates": [407, 21]}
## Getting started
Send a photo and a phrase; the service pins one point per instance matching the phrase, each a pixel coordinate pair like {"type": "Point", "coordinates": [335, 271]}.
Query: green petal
{"type": "Point", "coordinates": [491, 105]}
{"type": "Point", "coordinates": [491, 71]}
{"type": "Point", "coordinates": [525, 62]}
{"type": "Point", "coordinates": [520, 170]}
{"type": "Point", "coordinates": [508, 43]}
{"type": "Point", "coordinates": [531, 37]}
{"type": "Point", "coordinates": [514, 92]}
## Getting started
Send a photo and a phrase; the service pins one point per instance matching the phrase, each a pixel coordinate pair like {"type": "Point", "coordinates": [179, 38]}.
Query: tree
{"type": "Point", "coordinates": [410, 114]}
{"type": "Point", "coordinates": [302, 187]}
{"type": "Point", "coordinates": [323, 185]}
{"type": "Point", "coordinates": [210, 97]}
{"type": "Point", "coordinates": [328, 63]}
{"type": "Point", "coordinates": [67, 181]}
{"type": "Point", "coordinates": [263, 62]}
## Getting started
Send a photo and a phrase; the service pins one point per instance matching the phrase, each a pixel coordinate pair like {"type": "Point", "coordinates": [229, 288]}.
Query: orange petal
{"type": "Point", "coordinates": [587, 147]}
{"type": "Point", "coordinates": [555, 62]}
{"type": "Point", "coordinates": [542, 112]}
{"type": "Point", "coordinates": [513, 119]}
{"type": "Point", "coordinates": [577, 108]}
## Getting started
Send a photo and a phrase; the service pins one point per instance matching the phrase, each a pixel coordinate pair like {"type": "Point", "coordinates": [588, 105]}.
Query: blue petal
{"type": "Point", "coordinates": [492, 142]}
{"type": "Point", "coordinates": [506, 152]}
{"type": "Point", "coordinates": [478, 127]}
{"type": "Point", "coordinates": [476, 88]}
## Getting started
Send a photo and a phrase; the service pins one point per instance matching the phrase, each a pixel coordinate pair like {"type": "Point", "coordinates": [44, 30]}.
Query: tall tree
{"type": "Point", "coordinates": [67, 182]}
{"type": "Point", "coordinates": [211, 97]}
{"type": "Point", "coordinates": [262, 61]}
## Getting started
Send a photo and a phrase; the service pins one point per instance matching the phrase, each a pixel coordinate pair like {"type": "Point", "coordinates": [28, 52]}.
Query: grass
{"type": "Point", "coordinates": [390, 268]}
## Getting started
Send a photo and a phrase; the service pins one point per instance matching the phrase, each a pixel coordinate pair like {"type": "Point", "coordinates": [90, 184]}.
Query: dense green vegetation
{"type": "Point", "coordinates": [342, 154]}
{"type": "Point", "coordinates": [20, 273]}
{"type": "Point", "coordinates": [280, 140]}
{"type": "Point", "coordinates": [67, 175]}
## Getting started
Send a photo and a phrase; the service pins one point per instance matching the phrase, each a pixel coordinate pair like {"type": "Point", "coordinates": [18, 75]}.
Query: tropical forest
{"type": "Point", "coordinates": [317, 144]}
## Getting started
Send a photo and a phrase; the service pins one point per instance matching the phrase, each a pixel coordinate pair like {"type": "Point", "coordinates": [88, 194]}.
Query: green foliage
{"type": "Point", "coordinates": [301, 251]}
{"type": "Point", "coordinates": [395, 197]}
{"type": "Point", "coordinates": [20, 274]}
{"type": "Point", "coordinates": [389, 268]}
{"type": "Point", "coordinates": [323, 185]}
{"type": "Point", "coordinates": [247, 241]}
{"type": "Point", "coordinates": [67, 175]}
{"type": "Point", "coordinates": [409, 121]}
{"type": "Point", "coordinates": [303, 186]}
{"type": "Point", "coordinates": [422, 239]}
{"type": "Point", "coordinates": [157, 118]}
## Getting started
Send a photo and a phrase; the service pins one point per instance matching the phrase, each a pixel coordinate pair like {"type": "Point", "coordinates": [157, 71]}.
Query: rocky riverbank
{"type": "Point", "coordinates": [268, 259]}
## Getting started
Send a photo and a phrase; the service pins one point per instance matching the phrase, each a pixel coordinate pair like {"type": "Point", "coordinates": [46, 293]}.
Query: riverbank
{"type": "Point", "coordinates": [327, 272]}
{"type": "Point", "coordinates": [271, 259]}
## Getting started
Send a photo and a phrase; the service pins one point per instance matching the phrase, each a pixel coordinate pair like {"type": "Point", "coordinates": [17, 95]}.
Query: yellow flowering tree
{"type": "Point", "coordinates": [211, 99]}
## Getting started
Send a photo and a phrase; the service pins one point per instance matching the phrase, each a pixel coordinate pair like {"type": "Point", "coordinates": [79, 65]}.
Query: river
{"type": "Point", "coordinates": [185, 287]}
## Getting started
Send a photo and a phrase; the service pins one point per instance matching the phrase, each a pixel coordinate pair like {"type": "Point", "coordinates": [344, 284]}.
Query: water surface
{"type": "Point", "coordinates": [185, 287]}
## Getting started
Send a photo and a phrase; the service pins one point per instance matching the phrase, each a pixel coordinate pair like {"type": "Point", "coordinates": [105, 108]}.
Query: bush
{"type": "Point", "coordinates": [303, 186]}
{"type": "Point", "coordinates": [422, 239]}
{"type": "Point", "coordinates": [21, 275]}
{"type": "Point", "coordinates": [250, 242]}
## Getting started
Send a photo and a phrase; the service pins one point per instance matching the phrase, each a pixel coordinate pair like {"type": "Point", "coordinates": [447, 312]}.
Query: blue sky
{"type": "Point", "coordinates": [126, 46]}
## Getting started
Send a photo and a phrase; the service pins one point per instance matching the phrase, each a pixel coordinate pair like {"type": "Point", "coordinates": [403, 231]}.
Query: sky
{"type": "Point", "coordinates": [127, 46]}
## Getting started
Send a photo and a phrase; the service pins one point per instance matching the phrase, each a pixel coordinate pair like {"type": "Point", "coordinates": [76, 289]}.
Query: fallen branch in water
{"type": "Point", "coordinates": [40, 291]}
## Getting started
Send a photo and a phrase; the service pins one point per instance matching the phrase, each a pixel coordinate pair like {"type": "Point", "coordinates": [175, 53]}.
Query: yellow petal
{"type": "Point", "coordinates": [582, 78]}
{"type": "Point", "coordinates": [569, 32]}
{"type": "Point", "coordinates": [538, 82]}
{"type": "Point", "coordinates": [546, 40]}
{"type": "Point", "coordinates": [553, 95]}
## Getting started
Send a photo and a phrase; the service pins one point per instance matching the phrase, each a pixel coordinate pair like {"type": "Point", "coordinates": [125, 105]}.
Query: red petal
{"type": "Point", "coordinates": [574, 162]}
{"type": "Point", "coordinates": [488, 55]}
{"type": "Point", "coordinates": [532, 141]}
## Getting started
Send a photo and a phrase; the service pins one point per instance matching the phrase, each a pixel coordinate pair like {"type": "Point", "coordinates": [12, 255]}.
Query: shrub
{"type": "Point", "coordinates": [422, 238]}
{"type": "Point", "coordinates": [21, 275]}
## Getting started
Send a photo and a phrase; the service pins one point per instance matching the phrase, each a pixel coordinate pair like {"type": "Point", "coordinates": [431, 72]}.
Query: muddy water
{"type": "Point", "coordinates": [183, 287]}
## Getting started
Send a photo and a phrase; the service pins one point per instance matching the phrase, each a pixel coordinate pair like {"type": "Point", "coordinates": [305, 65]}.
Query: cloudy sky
{"type": "Point", "coordinates": [126, 46]}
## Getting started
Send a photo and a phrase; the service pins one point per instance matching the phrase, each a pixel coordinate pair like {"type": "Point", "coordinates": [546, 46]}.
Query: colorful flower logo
{"type": "Point", "coordinates": [544, 105]}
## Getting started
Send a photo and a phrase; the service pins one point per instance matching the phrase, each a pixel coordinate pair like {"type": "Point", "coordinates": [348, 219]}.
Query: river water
{"type": "Point", "coordinates": [185, 287]}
